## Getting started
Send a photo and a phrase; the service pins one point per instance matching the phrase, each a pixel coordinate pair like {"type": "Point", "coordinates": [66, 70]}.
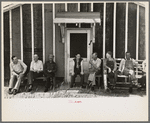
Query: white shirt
{"type": "Point", "coordinates": [18, 68]}
{"type": "Point", "coordinates": [36, 66]}
{"type": "Point", "coordinates": [97, 62]}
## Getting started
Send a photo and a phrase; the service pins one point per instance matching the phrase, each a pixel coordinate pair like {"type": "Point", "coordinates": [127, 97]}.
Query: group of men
{"type": "Point", "coordinates": [18, 69]}
{"type": "Point", "coordinates": [126, 67]}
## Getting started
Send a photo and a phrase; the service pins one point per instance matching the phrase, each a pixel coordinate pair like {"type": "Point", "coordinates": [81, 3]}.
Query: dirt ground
{"type": "Point", "coordinates": [63, 91]}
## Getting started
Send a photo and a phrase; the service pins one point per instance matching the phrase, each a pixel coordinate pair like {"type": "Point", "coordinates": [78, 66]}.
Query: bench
{"type": "Point", "coordinates": [41, 78]}
{"type": "Point", "coordinates": [138, 72]}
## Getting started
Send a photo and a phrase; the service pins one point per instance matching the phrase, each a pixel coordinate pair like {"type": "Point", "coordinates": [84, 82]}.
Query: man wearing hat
{"type": "Point", "coordinates": [50, 69]}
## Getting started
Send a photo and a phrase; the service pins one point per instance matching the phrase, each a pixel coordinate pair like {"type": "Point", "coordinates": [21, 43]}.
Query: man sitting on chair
{"type": "Point", "coordinates": [36, 70]}
{"type": "Point", "coordinates": [127, 68]}
{"type": "Point", "coordinates": [77, 70]}
{"type": "Point", "coordinates": [18, 69]}
{"type": "Point", "coordinates": [94, 69]}
{"type": "Point", "coordinates": [49, 71]}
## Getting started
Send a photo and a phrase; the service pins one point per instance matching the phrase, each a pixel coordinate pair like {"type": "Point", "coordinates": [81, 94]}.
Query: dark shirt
{"type": "Point", "coordinates": [50, 66]}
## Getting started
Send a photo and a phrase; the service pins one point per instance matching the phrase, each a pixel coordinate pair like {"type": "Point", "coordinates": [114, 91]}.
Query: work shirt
{"type": "Point", "coordinates": [127, 63]}
{"type": "Point", "coordinates": [18, 68]}
{"type": "Point", "coordinates": [97, 62]}
{"type": "Point", "coordinates": [50, 66]}
{"type": "Point", "coordinates": [36, 66]}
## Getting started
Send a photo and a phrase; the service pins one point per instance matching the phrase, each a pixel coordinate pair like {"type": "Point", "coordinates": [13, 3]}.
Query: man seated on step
{"type": "Point", "coordinates": [18, 69]}
{"type": "Point", "coordinates": [50, 69]}
{"type": "Point", "coordinates": [126, 67]}
{"type": "Point", "coordinates": [77, 70]}
{"type": "Point", "coordinates": [94, 69]}
{"type": "Point", "coordinates": [36, 70]}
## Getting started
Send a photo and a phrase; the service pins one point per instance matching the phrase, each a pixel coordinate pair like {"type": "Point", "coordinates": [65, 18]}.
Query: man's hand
{"type": "Point", "coordinates": [35, 70]}
{"type": "Point", "coordinates": [21, 74]}
{"type": "Point", "coordinates": [119, 72]}
{"type": "Point", "coordinates": [81, 73]}
{"type": "Point", "coordinates": [49, 71]}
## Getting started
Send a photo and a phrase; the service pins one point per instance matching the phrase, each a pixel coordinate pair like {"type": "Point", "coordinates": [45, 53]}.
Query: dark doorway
{"type": "Point", "coordinates": [78, 44]}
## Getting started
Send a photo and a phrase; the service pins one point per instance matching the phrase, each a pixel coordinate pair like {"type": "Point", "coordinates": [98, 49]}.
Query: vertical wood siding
{"type": "Point", "coordinates": [48, 29]}
{"type": "Point", "coordinates": [27, 45]}
{"type": "Point", "coordinates": [132, 17]}
{"type": "Point", "coordinates": [16, 43]}
{"type": "Point", "coordinates": [6, 45]}
{"type": "Point", "coordinates": [142, 48]}
{"type": "Point", "coordinates": [120, 30]}
{"type": "Point", "coordinates": [37, 22]}
{"type": "Point", "coordinates": [85, 7]}
{"type": "Point", "coordinates": [109, 26]}
{"type": "Point", "coordinates": [98, 45]}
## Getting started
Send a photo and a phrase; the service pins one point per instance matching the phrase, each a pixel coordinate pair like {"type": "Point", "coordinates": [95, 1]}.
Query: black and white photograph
{"type": "Point", "coordinates": [91, 56]}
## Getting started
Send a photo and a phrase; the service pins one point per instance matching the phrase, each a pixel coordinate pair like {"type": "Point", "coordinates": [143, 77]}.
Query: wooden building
{"type": "Point", "coordinates": [65, 29]}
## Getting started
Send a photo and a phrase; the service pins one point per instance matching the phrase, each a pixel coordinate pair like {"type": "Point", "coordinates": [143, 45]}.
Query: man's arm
{"type": "Point", "coordinates": [24, 67]}
{"type": "Point", "coordinates": [82, 67]}
{"type": "Point", "coordinates": [121, 65]}
{"type": "Point", "coordinates": [115, 66]}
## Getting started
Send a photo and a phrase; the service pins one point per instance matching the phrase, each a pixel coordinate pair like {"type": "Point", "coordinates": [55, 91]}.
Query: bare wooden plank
{"type": "Point", "coordinates": [21, 32]}
{"type": "Point", "coordinates": [54, 30]}
{"type": "Point", "coordinates": [32, 30]}
{"type": "Point", "coordinates": [126, 28]}
{"type": "Point", "coordinates": [43, 29]}
{"type": "Point", "coordinates": [137, 34]}
{"type": "Point", "coordinates": [114, 32]}
{"type": "Point", "coordinates": [104, 29]}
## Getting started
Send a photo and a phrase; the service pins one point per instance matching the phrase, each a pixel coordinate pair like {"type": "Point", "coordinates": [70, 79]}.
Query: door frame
{"type": "Point", "coordinates": [67, 45]}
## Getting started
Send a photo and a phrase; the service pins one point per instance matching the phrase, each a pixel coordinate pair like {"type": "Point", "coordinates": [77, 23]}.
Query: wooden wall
{"type": "Point", "coordinates": [120, 29]}
{"type": "Point", "coordinates": [132, 22]}
{"type": "Point", "coordinates": [59, 48]}
{"type": "Point", "coordinates": [16, 43]}
{"type": "Point", "coordinates": [142, 49]}
{"type": "Point", "coordinates": [48, 29]}
{"type": "Point", "coordinates": [27, 43]}
{"type": "Point", "coordinates": [6, 46]}
{"type": "Point", "coordinates": [38, 35]}
{"type": "Point", "coordinates": [109, 26]}
{"type": "Point", "coordinates": [98, 45]}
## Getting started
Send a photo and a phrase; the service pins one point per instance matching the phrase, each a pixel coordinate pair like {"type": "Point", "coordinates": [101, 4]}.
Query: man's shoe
{"type": "Point", "coordinates": [29, 89]}
{"type": "Point", "coordinates": [92, 88]}
{"type": "Point", "coordinates": [10, 91]}
{"type": "Point", "coordinates": [46, 89]}
{"type": "Point", "coordinates": [14, 92]}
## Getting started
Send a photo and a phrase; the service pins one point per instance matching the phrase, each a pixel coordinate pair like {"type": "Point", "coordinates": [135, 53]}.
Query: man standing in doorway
{"type": "Point", "coordinates": [18, 69]}
{"type": "Point", "coordinates": [94, 69]}
{"type": "Point", "coordinates": [50, 69]}
{"type": "Point", "coordinates": [77, 70]}
{"type": "Point", "coordinates": [36, 70]}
